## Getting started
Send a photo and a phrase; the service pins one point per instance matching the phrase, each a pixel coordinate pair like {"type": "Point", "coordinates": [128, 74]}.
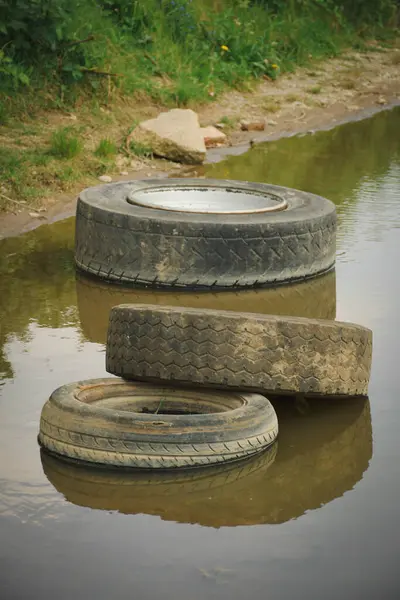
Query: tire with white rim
{"type": "Point", "coordinates": [113, 422]}
{"type": "Point", "coordinates": [203, 233]}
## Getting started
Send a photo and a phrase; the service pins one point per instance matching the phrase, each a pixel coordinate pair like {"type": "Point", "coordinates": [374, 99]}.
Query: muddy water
{"type": "Point", "coordinates": [315, 517]}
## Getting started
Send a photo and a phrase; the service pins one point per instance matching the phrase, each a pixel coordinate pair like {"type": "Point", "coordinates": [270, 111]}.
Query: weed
{"type": "Point", "coordinates": [4, 114]}
{"type": "Point", "coordinates": [292, 98]}
{"type": "Point", "coordinates": [106, 148]}
{"type": "Point", "coordinates": [271, 105]}
{"type": "Point", "coordinates": [185, 91]}
{"type": "Point", "coordinates": [228, 121]}
{"type": "Point", "coordinates": [315, 89]}
{"type": "Point", "coordinates": [64, 144]}
{"type": "Point", "coordinates": [311, 102]}
{"type": "Point", "coordinates": [140, 150]}
{"type": "Point", "coordinates": [180, 57]}
{"type": "Point", "coordinates": [84, 54]}
{"type": "Point", "coordinates": [18, 171]}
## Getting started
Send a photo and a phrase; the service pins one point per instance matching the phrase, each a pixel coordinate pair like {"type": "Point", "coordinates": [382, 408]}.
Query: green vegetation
{"type": "Point", "coordinates": [315, 89]}
{"type": "Point", "coordinates": [27, 172]}
{"type": "Point", "coordinates": [106, 148]}
{"type": "Point", "coordinates": [228, 121]}
{"type": "Point", "coordinates": [64, 144]}
{"type": "Point", "coordinates": [272, 105]}
{"type": "Point", "coordinates": [82, 55]}
{"type": "Point", "coordinates": [140, 149]}
{"type": "Point", "coordinates": [174, 51]}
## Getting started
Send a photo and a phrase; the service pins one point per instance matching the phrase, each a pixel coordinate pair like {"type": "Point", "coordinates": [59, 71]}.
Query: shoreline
{"type": "Point", "coordinates": [336, 106]}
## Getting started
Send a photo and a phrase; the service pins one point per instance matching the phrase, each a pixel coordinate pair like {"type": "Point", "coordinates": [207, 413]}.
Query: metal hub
{"type": "Point", "coordinates": [207, 200]}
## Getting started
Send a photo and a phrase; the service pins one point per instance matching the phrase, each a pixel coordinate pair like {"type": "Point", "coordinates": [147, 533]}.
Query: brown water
{"type": "Point", "coordinates": [315, 517]}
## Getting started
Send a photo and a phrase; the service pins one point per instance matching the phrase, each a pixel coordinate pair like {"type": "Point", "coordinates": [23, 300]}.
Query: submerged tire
{"type": "Point", "coordinates": [286, 355]}
{"type": "Point", "coordinates": [112, 422]}
{"type": "Point", "coordinates": [315, 298]}
{"type": "Point", "coordinates": [119, 240]}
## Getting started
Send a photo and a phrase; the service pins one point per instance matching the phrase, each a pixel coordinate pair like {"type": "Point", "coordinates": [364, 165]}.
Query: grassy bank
{"type": "Point", "coordinates": [95, 59]}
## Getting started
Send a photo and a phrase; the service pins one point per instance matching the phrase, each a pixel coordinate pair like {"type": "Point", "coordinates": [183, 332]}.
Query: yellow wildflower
{"type": "Point", "coordinates": [274, 66]}
{"type": "Point", "coordinates": [225, 48]}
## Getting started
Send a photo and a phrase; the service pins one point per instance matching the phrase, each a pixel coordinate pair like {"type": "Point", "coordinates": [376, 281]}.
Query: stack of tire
{"type": "Point", "coordinates": [190, 380]}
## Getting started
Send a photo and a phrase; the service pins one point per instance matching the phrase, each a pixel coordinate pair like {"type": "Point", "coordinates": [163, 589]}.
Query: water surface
{"type": "Point", "coordinates": [315, 517]}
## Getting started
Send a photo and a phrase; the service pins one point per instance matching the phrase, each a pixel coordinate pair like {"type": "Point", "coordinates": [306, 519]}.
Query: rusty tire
{"type": "Point", "coordinates": [118, 240]}
{"type": "Point", "coordinates": [112, 422]}
{"type": "Point", "coordinates": [280, 355]}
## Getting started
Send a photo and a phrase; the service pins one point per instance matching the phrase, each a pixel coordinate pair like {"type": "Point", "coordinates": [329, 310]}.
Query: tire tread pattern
{"type": "Point", "coordinates": [113, 451]}
{"type": "Point", "coordinates": [238, 350]}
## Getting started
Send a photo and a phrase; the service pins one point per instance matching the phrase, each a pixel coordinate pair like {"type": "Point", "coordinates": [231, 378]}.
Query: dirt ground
{"type": "Point", "coordinates": [340, 89]}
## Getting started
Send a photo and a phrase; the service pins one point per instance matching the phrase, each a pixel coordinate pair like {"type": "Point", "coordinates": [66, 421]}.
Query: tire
{"type": "Point", "coordinates": [264, 353]}
{"type": "Point", "coordinates": [323, 452]}
{"type": "Point", "coordinates": [315, 298]}
{"type": "Point", "coordinates": [127, 243]}
{"type": "Point", "coordinates": [104, 421]}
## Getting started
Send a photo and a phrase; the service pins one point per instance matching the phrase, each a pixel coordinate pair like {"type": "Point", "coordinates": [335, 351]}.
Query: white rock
{"type": "Point", "coordinates": [175, 135]}
{"type": "Point", "coordinates": [105, 178]}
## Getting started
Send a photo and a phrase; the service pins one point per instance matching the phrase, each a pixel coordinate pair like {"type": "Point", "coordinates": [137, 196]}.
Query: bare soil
{"type": "Point", "coordinates": [333, 91]}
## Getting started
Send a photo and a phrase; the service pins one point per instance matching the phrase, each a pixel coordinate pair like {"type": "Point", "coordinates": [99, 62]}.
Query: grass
{"type": "Point", "coordinates": [229, 122]}
{"type": "Point", "coordinates": [181, 53]}
{"type": "Point", "coordinates": [65, 144]}
{"type": "Point", "coordinates": [106, 148]}
{"type": "Point", "coordinates": [315, 89]}
{"type": "Point", "coordinates": [29, 174]}
{"type": "Point", "coordinates": [140, 150]}
{"type": "Point", "coordinates": [177, 53]}
{"type": "Point", "coordinates": [271, 105]}
{"type": "Point", "coordinates": [25, 172]}
{"type": "Point", "coordinates": [293, 98]}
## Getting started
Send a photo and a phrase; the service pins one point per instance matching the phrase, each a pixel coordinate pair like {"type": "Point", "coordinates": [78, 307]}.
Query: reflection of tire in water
{"type": "Point", "coordinates": [324, 449]}
{"type": "Point", "coordinates": [149, 492]}
{"type": "Point", "coordinates": [315, 299]}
